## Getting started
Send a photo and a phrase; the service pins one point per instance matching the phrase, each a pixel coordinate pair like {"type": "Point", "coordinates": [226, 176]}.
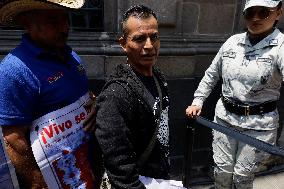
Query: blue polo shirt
{"type": "Point", "coordinates": [34, 82]}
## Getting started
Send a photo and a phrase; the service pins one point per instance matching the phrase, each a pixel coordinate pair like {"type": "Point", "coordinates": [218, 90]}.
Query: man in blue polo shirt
{"type": "Point", "coordinates": [43, 93]}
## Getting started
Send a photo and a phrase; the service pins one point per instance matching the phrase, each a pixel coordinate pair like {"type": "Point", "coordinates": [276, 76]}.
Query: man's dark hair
{"type": "Point", "coordinates": [137, 11]}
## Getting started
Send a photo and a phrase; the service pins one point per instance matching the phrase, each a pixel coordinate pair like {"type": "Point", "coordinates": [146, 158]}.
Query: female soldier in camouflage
{"type": "Point", "coordinates": [251, 66]}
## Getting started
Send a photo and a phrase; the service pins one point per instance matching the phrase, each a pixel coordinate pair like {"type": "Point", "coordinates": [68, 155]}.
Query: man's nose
{"type": "Point", "coordinates": [255, 17]}
{"type": "Point", "coordinates": [148, 43]}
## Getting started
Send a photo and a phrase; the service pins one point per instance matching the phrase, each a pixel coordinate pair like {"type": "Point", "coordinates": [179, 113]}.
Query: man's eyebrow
{"type": "Point", "coordinates": [138, 35]}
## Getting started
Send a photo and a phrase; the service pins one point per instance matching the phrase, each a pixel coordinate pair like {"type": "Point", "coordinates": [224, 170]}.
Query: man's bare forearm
{"type": "Point", "coordinates": [20, 152]}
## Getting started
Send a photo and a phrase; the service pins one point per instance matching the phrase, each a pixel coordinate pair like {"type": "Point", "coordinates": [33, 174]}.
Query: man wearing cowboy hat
{"type": "Point", "coordinates": [44, 90]}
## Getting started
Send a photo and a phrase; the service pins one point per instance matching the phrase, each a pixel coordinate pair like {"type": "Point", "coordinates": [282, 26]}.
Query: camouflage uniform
{"type": "Point", "coordinates": [252, 75]}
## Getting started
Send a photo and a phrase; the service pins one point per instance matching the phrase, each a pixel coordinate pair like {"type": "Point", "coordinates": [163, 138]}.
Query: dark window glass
{"type": "Point", "coordinates": [89, 17]}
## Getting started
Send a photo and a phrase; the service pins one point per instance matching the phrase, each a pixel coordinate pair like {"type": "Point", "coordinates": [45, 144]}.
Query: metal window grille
{"type": "Point", "coordinates": [89, 17]}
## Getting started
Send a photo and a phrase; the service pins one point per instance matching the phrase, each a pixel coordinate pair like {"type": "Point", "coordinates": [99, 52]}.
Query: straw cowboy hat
{"type": "Point", "coordinates": [11, 8]}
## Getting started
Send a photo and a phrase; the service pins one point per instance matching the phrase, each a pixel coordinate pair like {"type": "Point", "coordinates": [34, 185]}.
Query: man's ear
{"type": "Point", "coordinates": [279, 14]}
{"type": "Point", "coordinates": [122, 42]}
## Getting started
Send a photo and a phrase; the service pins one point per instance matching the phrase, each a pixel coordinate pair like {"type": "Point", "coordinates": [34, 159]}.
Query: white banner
{"type": "Point", "coordinates": [60, 147]}
{"type": "Point", "coordinates": [151, 183]}
{"type": "Point", "coordinates": [8, 177]}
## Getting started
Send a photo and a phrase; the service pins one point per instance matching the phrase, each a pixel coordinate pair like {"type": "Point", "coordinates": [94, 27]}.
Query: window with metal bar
{"type": "Point", "coordinates": [89, 17]}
